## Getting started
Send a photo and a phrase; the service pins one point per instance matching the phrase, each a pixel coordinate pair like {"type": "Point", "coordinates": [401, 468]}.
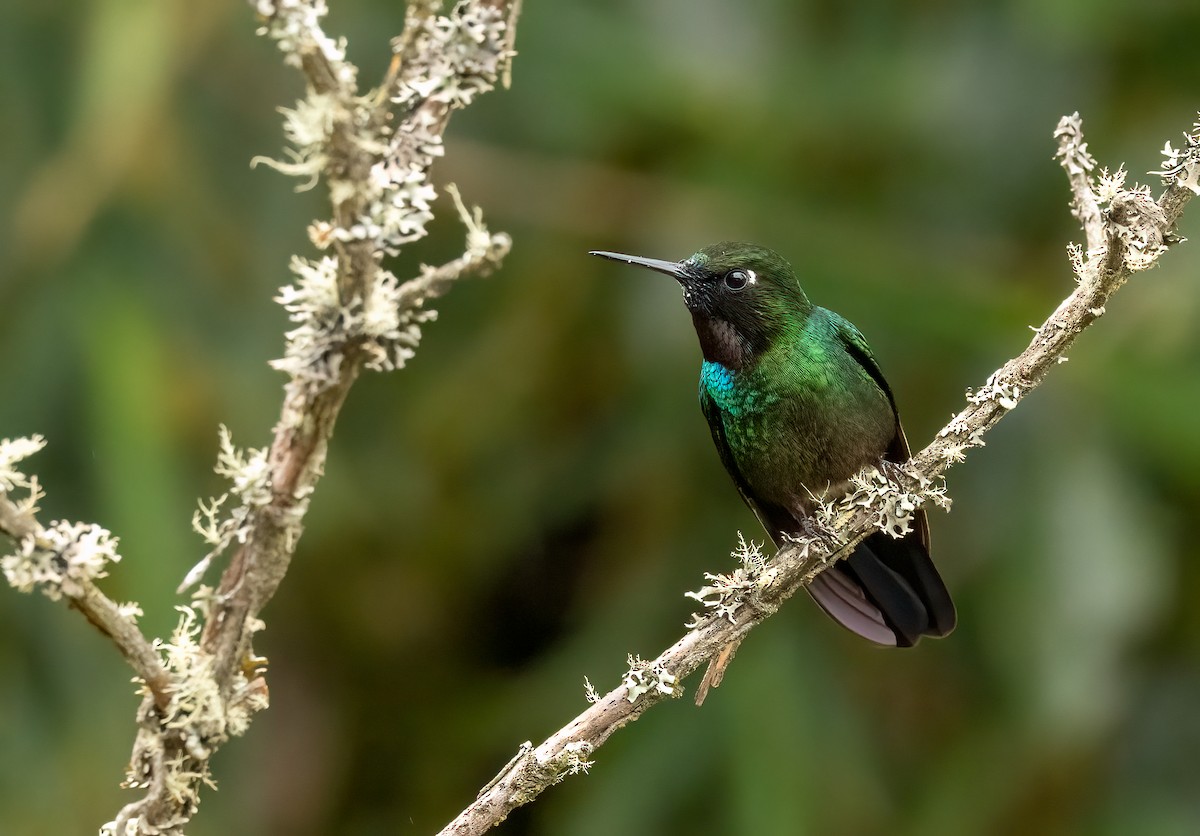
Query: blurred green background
{"type": "Point", "coordinates": [528, 501]}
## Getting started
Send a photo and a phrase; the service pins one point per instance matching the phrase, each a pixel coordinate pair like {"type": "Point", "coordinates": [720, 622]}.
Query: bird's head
{"type": "Point", "coordinates": [741, 297]}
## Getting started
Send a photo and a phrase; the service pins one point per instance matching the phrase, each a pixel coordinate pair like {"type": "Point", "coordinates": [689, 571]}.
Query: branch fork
{"type": "Point", "coordinates": [374, 152]}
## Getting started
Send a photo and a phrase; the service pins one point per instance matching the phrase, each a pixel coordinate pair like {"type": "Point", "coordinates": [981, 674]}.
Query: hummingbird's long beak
{"type": "Point", "coordinates": [671, 268]}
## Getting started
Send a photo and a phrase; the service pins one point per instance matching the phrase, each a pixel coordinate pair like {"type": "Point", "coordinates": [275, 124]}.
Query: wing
{"type": "Point", "coordinates": [907, 557]}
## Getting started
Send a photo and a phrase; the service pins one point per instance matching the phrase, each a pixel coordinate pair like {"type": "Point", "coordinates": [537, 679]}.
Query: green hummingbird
{"type": "Point", "coordinates": [797, 405]}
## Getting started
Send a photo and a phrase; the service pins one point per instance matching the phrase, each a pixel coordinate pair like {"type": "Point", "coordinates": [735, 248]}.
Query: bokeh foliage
{"type": "Point", "coordinates": [529, 499]}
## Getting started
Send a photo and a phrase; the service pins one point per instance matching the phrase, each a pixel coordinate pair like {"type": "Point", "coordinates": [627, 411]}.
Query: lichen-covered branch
{"type": "Point", "coordinates": [1126, 231]}
{"type": "Point", "coordinates": [350, 313]}
{"type": "Point", "coordinates": [373, 151]}
{"type": "Point", "coordinates": [64, 560]}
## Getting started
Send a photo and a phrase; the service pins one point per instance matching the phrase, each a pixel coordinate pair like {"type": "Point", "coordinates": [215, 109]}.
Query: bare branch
{"type": "Point", "coordinates": [1126, 231]}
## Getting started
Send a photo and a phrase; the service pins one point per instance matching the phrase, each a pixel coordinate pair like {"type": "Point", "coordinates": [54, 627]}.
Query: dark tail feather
{"type": "Point", "coordinates": [844, 602]}
{"type": "Point", "coordinates": [887, 591]}
{"type": "Point", "coordinates": [909, 558]}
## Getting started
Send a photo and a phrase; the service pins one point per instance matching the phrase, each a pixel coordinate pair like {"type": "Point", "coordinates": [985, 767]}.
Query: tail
{"type": "Point", "coordinates": [887, 591]}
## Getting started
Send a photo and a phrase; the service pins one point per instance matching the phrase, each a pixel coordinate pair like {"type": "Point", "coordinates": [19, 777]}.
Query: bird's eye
{"type": "Point", "coordinates": [737, 279]}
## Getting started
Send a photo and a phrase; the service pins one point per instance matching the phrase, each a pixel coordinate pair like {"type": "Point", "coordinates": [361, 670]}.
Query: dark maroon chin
{"type": "Point", "coordinates": [719, 341]}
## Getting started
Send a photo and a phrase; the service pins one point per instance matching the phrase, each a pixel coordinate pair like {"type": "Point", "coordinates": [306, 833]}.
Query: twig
{"type": "Point", "coordinates": [1126, 231]}
{"type": "Point", "coordinates": [81, 592]}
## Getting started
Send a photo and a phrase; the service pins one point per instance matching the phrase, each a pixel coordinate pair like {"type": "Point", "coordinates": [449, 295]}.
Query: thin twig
{"type": "Point", "coordinates": [101, 611]}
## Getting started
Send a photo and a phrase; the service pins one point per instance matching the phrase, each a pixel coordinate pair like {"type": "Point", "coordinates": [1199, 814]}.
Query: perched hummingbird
{"type": "Point", "coordinates": [797, 405]}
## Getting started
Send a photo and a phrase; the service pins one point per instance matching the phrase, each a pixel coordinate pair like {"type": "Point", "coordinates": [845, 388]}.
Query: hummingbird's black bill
{"type": "Point", "coordinates": [671, 268]}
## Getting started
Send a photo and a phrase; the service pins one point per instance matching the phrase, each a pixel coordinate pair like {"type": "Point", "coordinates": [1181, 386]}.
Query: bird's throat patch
{"type": "Point", "coordinates": [719, 384]}
{"type": "Point", "coordinates": [719, 341]}
{"type": "Point", "coordinates": [717, 380]}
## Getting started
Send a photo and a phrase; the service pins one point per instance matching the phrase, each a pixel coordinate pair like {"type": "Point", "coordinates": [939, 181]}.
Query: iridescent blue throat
{"type": "Point", "coordinates": [734, 399]}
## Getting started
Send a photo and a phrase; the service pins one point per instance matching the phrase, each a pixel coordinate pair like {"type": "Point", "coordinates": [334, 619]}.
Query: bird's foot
{"type": "Point", "coordinates": [813, 529]}
{"type": "Point", "coordinates": [895, 473]}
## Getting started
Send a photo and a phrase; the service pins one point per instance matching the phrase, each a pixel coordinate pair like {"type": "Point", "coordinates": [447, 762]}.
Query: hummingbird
{"type": "Point", "coordinates": [797, 404]}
